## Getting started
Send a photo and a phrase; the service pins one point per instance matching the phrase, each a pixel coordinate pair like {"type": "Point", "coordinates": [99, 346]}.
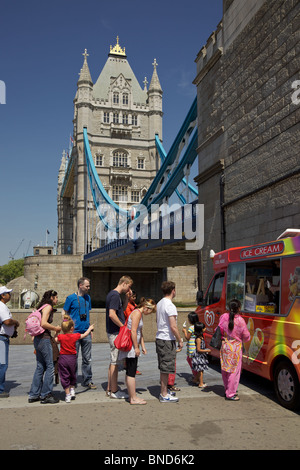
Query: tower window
{"type": "Point", "coordinates": [134, 120]}
{"type": "Point", "coordinates": [116, 98]}
{"type": "Point", "coordinates": [125, 98]}
{"type": "Point", "coordinates": [141, 164]}
{"type": "Point", "coordinates": [106, 117]}
{"type": "Point", "coordinates": [125, 118]}
{"type": "Point", "coordinates": [116, 118]}
{"type": "Point", "coordinates": [135, 196]}
{"type": "Point", "coordinates": [120, 159]}
{"type": "Point", "coordinates": [99, 160]}
{"type": "Point", "coordinates": [120, 193]}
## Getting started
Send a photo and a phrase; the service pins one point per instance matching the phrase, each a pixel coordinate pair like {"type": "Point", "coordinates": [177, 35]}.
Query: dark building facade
{"type": "Point", "coordinates": [248, 126]}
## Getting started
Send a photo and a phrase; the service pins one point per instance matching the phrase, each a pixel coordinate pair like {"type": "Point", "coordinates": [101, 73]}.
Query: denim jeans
{"type": "Point", "coordinates": [86, 354]}
{"type": "Point", "coordinates": [4, 346]}
{"type": "Point", "coordinates": [42, 383]}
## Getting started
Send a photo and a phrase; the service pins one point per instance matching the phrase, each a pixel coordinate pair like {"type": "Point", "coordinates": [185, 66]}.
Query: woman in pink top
{"type": "Point", "coordinates": [234, 331]}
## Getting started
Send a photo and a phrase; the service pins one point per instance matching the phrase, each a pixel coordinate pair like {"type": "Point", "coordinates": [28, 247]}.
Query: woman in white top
{"type": "Point", "coordinates": [135, 324]}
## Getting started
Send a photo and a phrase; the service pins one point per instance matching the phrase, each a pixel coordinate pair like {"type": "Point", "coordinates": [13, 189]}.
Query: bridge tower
{"type": "Point", "coordinates": [122, 119]}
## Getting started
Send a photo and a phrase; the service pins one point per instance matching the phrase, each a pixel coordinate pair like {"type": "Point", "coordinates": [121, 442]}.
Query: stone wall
{"type": "Point", "coordinates": [59, 273]}
{"type": "Point", "coordinates": [248, 121]}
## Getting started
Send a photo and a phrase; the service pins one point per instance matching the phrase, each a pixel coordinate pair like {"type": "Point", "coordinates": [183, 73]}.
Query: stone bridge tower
{"type": "Point", "coordinates": [122, 119]}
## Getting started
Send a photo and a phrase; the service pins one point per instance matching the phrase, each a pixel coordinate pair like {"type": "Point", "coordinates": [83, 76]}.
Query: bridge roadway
{"type": "Point", "coordinates": [201, 419]}
{"type": "Point", "coordinates": [142, 253]}
{"type": "Point", "coordinates": [161, 244]}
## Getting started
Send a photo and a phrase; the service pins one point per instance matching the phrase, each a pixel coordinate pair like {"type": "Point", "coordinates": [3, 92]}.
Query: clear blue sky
{"type": "Point", "coordinates": [41, 46]}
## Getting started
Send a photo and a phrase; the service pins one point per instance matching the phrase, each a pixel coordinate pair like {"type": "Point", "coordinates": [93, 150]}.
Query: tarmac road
{"type": "Point", "coordinates": [201, 420]}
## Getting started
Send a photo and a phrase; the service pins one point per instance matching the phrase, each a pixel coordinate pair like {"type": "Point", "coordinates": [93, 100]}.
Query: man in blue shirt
{"type": "Point", "coordinates": [78, 306]}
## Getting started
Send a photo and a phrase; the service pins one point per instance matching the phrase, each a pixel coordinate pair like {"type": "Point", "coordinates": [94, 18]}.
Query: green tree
{"type": "Point", "coordinates": [11, 270]}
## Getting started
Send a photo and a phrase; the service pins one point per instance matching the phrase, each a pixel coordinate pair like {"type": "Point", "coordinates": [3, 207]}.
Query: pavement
{"type": "Point", "coordinates": [202, 419]}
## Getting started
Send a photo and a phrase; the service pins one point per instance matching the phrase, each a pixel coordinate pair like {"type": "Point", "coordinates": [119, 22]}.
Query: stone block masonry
{"type": "Point", "coordinates": [248, 119]}
{"type": "Point", "coordinates": [59, 273]}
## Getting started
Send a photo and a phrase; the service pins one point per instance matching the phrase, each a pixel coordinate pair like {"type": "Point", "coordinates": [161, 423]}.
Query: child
{"type": "Point", "coordinates": [68, 355]}
{"type": "Point", "coordinates": [199, 359]}
{"type": "Point", "coordinates": [191, 346]}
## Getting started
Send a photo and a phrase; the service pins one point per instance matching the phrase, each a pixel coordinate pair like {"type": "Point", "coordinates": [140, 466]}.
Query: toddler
{"type": "Point", "coordinates": [68, 355]}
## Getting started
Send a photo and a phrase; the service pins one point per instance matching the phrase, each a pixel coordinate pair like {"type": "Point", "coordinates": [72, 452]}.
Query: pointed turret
{"type": "Point", "coordinates": [85, 76]}
{"type": "Point", "coordinates": [155, 83]}
{"type": "Point", "coordinates": [155, 105]}
{"type": "Point", "coordinates": [83, 95]}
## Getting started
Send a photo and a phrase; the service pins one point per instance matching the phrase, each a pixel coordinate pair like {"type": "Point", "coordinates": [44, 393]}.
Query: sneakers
{"type": "Point", "coordinates": [91, 386]}
{"type": "Point", "coordinates": [119, 395]}
{"type": "Point", "coordinates": [72, 393]}
{"type": "Point", "coordinates": [33, 399]}
{"type": "Point", "coordinates": [49, 399]}
{"type": "Point", "coordinates": [68, 398]}
{"type": "Point", "coordinates": [168, 398]}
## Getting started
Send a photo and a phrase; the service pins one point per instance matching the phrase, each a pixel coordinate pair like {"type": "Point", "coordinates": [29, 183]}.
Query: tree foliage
{"type": "Point", "coordinates": [11, 270]}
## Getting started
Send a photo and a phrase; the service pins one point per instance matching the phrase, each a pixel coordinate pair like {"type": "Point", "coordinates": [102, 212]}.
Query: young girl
{"type": "Point", "coordinates": [199, 358]}
{"type": "Point", "coordinates": [190, 337]}
{"type": "Point", "coordinates": [135, 324]}
{"type": "Point", "coordinates": [68, 355]}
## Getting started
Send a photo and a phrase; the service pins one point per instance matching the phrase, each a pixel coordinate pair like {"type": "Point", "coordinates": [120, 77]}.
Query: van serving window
{"type": "Point", "coordinates": [256, 285]}
{"type": "Point", "coordinates": [262, 288]}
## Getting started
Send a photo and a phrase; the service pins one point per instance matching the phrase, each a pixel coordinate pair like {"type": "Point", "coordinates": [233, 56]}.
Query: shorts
{"type": "Point", "coordinates": [166, 355]}
{"type": "Point", "coordinates": [131, 366]}
{"type": "Point", "coordinates": [114, 352]}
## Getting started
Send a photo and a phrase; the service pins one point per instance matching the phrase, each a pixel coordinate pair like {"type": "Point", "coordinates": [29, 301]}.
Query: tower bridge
{"type": "Point", "coordinates": [118, 187]}
{"type": "Point", "coordinates": [144, 236]}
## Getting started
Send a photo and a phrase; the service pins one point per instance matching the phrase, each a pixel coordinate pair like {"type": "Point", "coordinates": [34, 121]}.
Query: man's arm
{"type": "Point", "coordinates": [175, 331]}
{"type": "Point", "coordinates": [63, 313]}
{"type": "Point", "coordinates": [11, 322]}
{"type": "Point", "coordinates": [114, 317]}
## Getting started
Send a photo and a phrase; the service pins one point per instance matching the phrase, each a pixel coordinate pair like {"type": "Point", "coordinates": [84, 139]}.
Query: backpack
{"type": "Point", "coordinates": [33, 323]}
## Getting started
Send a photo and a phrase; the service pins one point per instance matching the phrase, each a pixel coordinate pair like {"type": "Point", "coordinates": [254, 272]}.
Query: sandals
{"type": "Point", "coordinates": [172, 388]}
{"type": "Point", "coordinates": [202, 386]}
{"type": "Point", "coordinates": [234, 398]}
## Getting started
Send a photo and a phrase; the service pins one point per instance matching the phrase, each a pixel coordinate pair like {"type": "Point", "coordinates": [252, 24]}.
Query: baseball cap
{"type": "Point", "coordinates": [4, 290]}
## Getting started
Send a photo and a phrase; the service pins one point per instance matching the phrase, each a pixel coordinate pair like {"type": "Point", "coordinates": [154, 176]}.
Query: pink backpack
{"type": "Point", "coordinates": [33, 323]}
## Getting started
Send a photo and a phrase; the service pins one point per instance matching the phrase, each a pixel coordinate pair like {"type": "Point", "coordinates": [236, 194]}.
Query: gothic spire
{"type": "Point", "coordinates": [155, 84]}
{"type": "Point", "coordinates": [85, 75]}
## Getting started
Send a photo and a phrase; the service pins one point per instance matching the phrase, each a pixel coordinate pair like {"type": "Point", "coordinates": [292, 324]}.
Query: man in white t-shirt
{"type": "Point", "coordinates": [7, 329]}
{"type": "Point", "coordinates": [166, 336]}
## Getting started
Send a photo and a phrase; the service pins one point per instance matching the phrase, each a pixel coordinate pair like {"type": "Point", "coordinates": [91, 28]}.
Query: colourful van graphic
{"type": "Point", "coordinates": [266, 279]}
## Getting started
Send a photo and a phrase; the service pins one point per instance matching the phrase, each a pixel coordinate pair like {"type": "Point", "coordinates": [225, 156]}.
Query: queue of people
{"type": "Point", "coordinates": [75, 333]}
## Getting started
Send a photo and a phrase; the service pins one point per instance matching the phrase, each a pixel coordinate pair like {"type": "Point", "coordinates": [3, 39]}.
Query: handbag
{"type": "Point", "coordinates": [216, 339]}
{"type": "Point", "coordinates": [123, 341]}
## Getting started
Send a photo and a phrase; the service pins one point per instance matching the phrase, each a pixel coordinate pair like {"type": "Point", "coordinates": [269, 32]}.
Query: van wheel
{"type": "Point", "coordinates": [286, 385]}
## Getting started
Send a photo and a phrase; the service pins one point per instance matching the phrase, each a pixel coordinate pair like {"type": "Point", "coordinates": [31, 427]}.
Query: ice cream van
{"type": "Point", "coordinates": [266, 280]}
